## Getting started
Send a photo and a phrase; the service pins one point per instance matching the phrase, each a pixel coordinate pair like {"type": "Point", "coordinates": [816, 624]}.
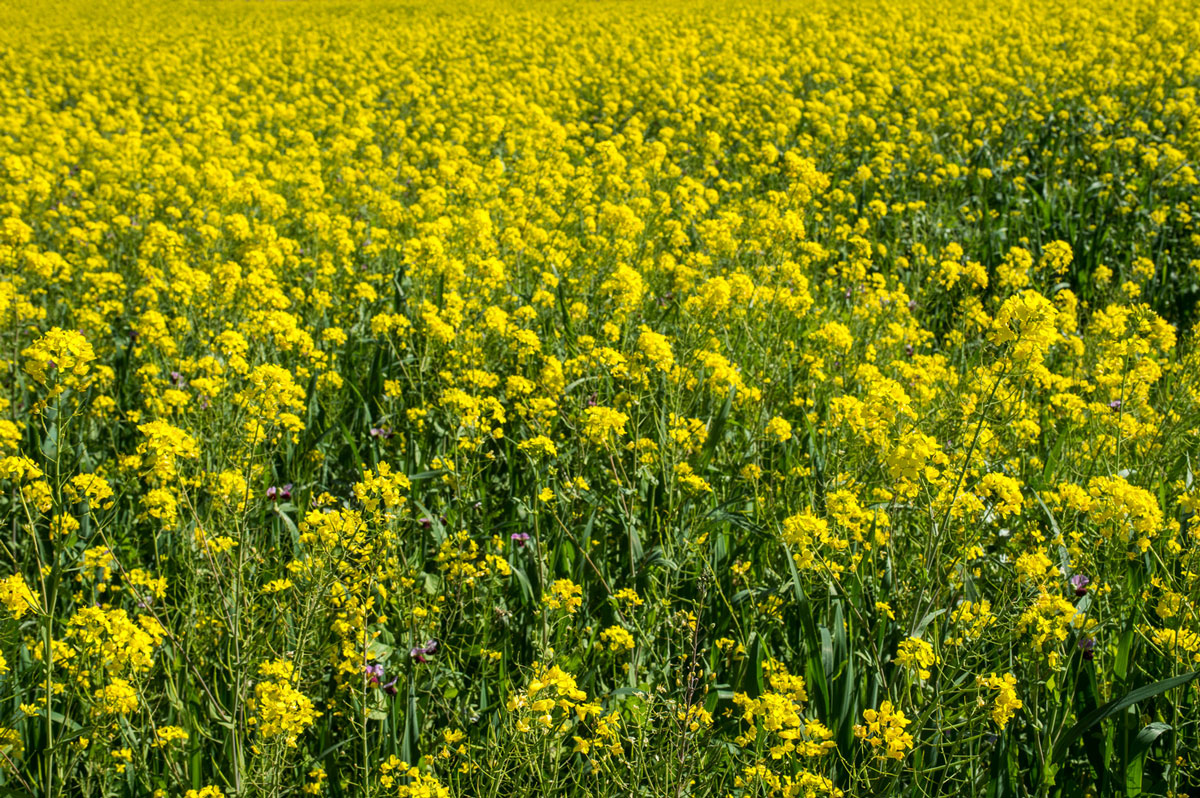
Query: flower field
{"type": "Point", "coordinates": [601, 399]}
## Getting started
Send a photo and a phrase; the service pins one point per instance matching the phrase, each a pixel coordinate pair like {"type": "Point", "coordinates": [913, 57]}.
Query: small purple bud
{"type": "Point", "coordinates": [908, 350]}
{"type": "Point", "coordinates": [426, 523]}
{"type": "Point", "coordinates": [272, 493]}
{"type": "Point", "coordinates": [390, 687]}
{"type": "Point", "coordinates": [286, 493]}
{"type": "Point", "coordinates": [1080, 583]}
{"type": "Point", "coordinates": [1088, 646]}
{"type": "Point", "coordinates": [912, 304]}
{"type": "Point", "coordinates": [520, 538]}
{"type": "Point", "coordinates": [1115, 404]}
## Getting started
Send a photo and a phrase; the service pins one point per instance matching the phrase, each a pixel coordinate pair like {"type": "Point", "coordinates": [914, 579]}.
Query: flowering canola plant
{"type": "Point", "coordinates": [732, 399]}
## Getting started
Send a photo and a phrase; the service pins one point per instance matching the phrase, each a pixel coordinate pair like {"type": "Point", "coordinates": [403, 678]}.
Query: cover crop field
{"type": "Point", "coordinates": [599, 399]}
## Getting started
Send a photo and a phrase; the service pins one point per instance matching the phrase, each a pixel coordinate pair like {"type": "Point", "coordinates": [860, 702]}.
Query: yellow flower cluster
{"type": "Point", "coordinates": [16, 596]}
{"type": "Point", "coordinates": [780, 712]}
{"type": "Point", "coordinates": [1006, 703]}
{"type": "Point", "coordinates": [917, 655]}
{"type": "Point", "coordinates": [280, 709]}
{"type": "Point", "coordinates": [883, 730]}
{"type": "Point", "coordinates": [564, 595]}
{"type": "Point", "coordinates": [65, 352]}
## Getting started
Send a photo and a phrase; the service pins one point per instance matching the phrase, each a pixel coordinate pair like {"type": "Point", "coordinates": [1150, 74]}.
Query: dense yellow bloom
{"type": "Point", "coordinates": [280, 709]}
{"type": "Point", "coordinates": [116, 698]}
{"type": "Point", "coordinates": [539, 444]}
{"type": "Point", "coordinates": [564, 595]}
{"type": "Point", "coordinates": [1006, 703]}
{"type": "Point", "coordinates": [16, 596]}
{"type": "Point", "coordinates": [917, 655]}
{"type": "Point", "coordinates": [656, 349]}
{"type": "Point", "coordinates": [617, 638]}
{"type": "Point", "coordinates": [779, 428]}
{"type": "Point", "coordinates": [60, 351]}
{"type": "Point", "coordinates": [1047, 620]}
{"type": "Point", "coordinates": [122, 646]}
{"type": "Point", "coordinates": [164, 446]}
{"type": "Point", "coordinates": [601, 424]}
{"type": "Point", "coordinates": [883, 730]}
{"type": "Point", "coordinates": [346, 349]}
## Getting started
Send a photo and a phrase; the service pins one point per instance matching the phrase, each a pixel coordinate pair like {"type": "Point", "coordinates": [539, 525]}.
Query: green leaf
{"type": "Point", "coordinates": [919, 629]}
{"type": "Point", "coordinates": [717, 428]}
{"type": "Point", "coordinates": [1135, 767]}
{"type": "Point", "coordinates": [753, 682]}
{"type": "Point", "coordinates": [291, 528]}
{"type": "Point", "coordinates": [435, 523]}
{"type": "Point", "coordinates": [412, 726]}
{"type": "Point", "coordinates": [816, 674]}
{"type": "Point", "coordinates": [1147, 737]}
{"type": "Point", "coordinates": [1100, 714]}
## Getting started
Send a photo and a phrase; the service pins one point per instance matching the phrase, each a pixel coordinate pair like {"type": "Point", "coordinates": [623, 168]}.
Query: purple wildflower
{"type": "Point", "coordinates": [520, 538]}
{"type": "Point", "coordinates": [421, 652]}
{"type": "Point", "coordinates": [1080, 583]}
{"type": "Point", "coordinates": [280, 494]}
{"type": "Point", "coordinates": [375, 676]}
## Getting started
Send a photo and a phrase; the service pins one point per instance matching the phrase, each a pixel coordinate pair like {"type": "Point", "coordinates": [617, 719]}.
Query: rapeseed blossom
{"type": "Point", "coordinates": [791, 399]}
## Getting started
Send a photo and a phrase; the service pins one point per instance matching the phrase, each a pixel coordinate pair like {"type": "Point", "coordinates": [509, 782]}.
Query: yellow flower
{"type": "Point", "coordinates": [617, 639]}
{"type": "Point", "coordinates": [1006, 703]}
{"type": "Point", "coordinates": [60, 351]}
{"type": "Point", "coordinates": [564, 594]}
{"type": "Point", "coordinates": [601, 424]}
{"type": "Point", "coordinates": [116, 698]}
{"type": "Point", "coordinates": [916, 654]}
{"type": "Point", "coordinates": [883, 730]}
{"type": "Point", "coordinates": [281, 710]}
{"type": "Point", "coordinates": [779, 429]}
{"type": "Point", "coordinates": [16, 596]}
